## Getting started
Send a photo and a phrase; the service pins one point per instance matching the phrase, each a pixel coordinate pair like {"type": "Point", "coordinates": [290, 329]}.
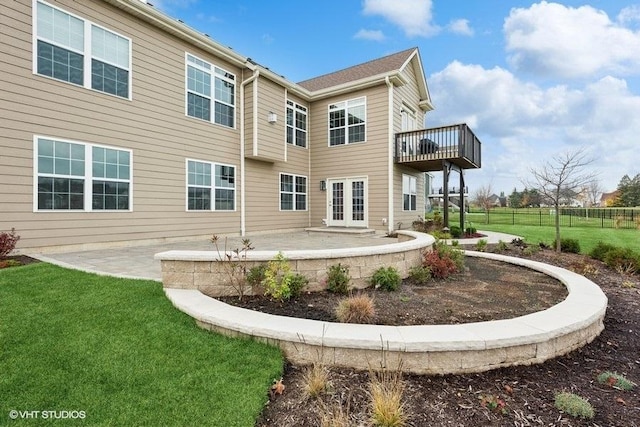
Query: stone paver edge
{"type": "Point", "coordinates": [584, 306]}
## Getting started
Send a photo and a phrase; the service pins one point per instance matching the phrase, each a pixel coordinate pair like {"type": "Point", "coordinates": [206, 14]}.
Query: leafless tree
{"type": "Point", "coordinates": [566, 172]}
{"type": "Point", "coordinates": [482, 198]}
{"type": "Point", "coordinates": [594, 191]}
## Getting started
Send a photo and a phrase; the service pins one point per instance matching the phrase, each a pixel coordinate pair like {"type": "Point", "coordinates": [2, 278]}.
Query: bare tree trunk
{"type": "Point", "coordinates": [557, 224]}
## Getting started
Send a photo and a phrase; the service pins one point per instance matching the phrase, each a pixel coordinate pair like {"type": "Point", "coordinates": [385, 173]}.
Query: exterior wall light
{"type": "Point", "coordinates": [323, 185]}
{"type": "Point", "coordinates": [272, 117]}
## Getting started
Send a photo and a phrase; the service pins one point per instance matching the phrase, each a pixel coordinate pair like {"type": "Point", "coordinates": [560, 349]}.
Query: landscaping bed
{"type": "Point", "coordinates": [515, 396]}
{"type": "Point", "coordinates": [485, 290]}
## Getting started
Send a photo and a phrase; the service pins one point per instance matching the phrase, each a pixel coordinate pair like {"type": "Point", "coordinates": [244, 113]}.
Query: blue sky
{"type": "Point", "coordinates": [533, 80]}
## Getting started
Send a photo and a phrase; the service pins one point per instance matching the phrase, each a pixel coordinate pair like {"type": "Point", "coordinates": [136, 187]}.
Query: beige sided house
{"type": "Point", "coordinates": [121, 124]}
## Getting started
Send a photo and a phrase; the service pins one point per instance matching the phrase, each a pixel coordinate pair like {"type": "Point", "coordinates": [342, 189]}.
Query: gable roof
{"type": "Point", "coordinates": [384, 65]}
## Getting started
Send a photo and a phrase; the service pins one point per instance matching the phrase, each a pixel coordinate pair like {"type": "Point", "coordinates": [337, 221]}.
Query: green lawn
{"type": "Point", "coordinates": [118, 350]}
{"type": "Point", "coordinates": [588, 237]}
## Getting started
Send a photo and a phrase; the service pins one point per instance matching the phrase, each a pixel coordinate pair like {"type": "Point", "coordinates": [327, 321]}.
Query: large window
{"type": "Point", "coordinates": [409, 193]}
{"type": "Point", "coordinates": [347, 122]}
{"type": "Point", "coordinates": [79, 176]}
{"type": "Point", "coordinates": [210, 92]}
{"type": "Point", "coordinates": [210, 186]}
{"type": "Point", "coordinates": [66, 46]}
{"type": "Point", "coordinates": [296, 124]}
{"type": "Point", "coordinates": [293, 192]}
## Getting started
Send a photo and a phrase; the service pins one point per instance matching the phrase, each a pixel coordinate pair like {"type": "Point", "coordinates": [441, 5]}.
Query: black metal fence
{"type": "Point", "coordinates": [569, 217]}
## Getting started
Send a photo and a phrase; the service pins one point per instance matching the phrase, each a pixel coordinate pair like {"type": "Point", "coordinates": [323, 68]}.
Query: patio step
{"type": "Point", "coordinates": [341, 230]}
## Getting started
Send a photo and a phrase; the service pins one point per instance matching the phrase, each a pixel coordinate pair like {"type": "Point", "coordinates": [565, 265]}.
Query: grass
{"type": "Point", "coordinates": [118, 350]}
{"type": "Point", "coordinates": [588, 237]}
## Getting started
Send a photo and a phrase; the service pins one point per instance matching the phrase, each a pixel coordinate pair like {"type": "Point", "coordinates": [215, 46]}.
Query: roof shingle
{"type": "Point", "coordinates": [375, 67]}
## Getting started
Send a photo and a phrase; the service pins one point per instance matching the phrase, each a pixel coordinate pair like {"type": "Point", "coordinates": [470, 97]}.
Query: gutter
{"type": "Point", "coordinates": [390, 219]}
{"type": "Point", "coordinates": [243, 219]}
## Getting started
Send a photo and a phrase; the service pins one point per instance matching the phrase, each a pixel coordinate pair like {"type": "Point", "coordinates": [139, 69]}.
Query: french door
{"type": "Point", "coordinates": [347, 202]}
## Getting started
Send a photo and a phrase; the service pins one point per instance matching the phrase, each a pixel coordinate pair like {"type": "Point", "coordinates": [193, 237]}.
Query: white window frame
{"type": "Point", "coordinates": [212, 187]}
{"type": "Point", "coordinates": [294, 193]}
{"type": "Point", "coordinates": [409, 190]}
{"type": "Point", "coordinates": [295, 109]}
{"type": "Point", "coordinates": [346, 106]}
{"type": "Point", "coordinates": [87, 53]}
{"type": "Point", "coordinates": [214, 73]}
{"type": "Point", "coordinates": [87, 177]}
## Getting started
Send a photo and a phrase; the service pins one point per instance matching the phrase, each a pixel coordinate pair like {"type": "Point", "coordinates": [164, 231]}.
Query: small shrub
{"type": "Point", "coordinates": [420, 274]}
{"type": "Point", "coordinates": [255, 275]}
{"type": "Point", "coordinates": [356, 309]}
{"type": "Point", "coordinates": [518, 243]}
{"type": "Point", "coordinates": [6, 263]}
{"type": "Point", "coordinates": [455, 253]}
{"type": "Point", "coordinates": [8, 242]}
{"type": "Point", "coordinates": [470, 231]}
{"type": "Point", "coordinates": [574, 405]}
{"type": "Point", "coordinates": [455, 231]}
{"type": "Point", "coordinates": [501, 247]}
{"type": "Point", "coordinates": [531, 250]}
{"type": "Point", "coordinates": [569, 246]}
{"type": "Point", "coordinates": [481, 245]}
{"type": "Point", "coordinates": [623, 260]}
{"type": "Point", "coordinates": [494, 404]}
{"type": "Point", "coordinates": [600, 250]}
{"type": "Point", "coordinates": [338, 279]}
{"type": "Point", "coordinates": [280, 282]}
{"type": "Point", "coordinates": [615, 380]}
{"type": "Point", "coordinates": [440, 267]}
{"type": "Point", "coordinates": [386, 390]}
{"type": "Point", "coordinates": [455, 243]}
{"type": "Point", "coordinates": [387, 279]}
{"type": "Point", "coordinates": [441, 235]}
{"type": "Point", "coordinates": [316, 380]}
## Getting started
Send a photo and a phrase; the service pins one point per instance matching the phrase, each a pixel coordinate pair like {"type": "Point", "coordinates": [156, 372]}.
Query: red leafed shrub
{"type": "Point", "coordinates": [8, 242]}
{"type": "Point", "coordinates": [441, 266]}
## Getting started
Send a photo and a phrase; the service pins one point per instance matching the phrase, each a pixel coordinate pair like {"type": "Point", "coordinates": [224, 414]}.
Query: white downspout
{"type": "Point", "coordinates": [391, 144]}
{"type": "Point", "coordinates": [243, 220]}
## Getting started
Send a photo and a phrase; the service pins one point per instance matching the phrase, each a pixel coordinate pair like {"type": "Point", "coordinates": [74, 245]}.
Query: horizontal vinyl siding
{"type": "Point", "coordinates": [153, 125]}
{"type": "Point", "coordinates": [404, 219]}
{"type": "Point", "coordinates": [271, 136]}
{"type": "Point", "coordinates": [368, 159]}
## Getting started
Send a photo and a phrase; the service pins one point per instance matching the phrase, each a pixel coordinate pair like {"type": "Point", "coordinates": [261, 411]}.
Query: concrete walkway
{"type": "Point", "coordinates": [138, 262]}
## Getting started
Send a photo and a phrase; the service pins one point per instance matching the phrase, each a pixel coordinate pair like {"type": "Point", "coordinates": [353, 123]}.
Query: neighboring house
{"type": "Point", "coordinates": [608, 199]}
{"type": "Point", "coordinates": [120, 124]}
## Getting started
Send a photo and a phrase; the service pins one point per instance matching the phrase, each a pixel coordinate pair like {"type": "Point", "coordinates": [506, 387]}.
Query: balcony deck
{"type": "Point", "coordinates": [426, 149]}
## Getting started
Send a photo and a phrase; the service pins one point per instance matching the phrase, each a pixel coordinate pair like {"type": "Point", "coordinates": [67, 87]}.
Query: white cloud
{"type": "Point", "coordinates": [629, 15]}
{"type": "Point", "coordinates": [375, 35]}
{"type": "Point", "coordinates": [460, 26]}
{"type": "Point", "coordinates": [521, 124]}
{"type": "Point", "coordinates": [413, 16]}
{"type": "Point", "coordinates": [551, 39]}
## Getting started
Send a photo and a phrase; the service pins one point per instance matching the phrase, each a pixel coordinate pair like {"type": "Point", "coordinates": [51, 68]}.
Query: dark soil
{"type": "Point", "coordinates": [527, 391]}
{"type": "Point", "coordinates": [486, 290]}
{"type": "Point", "coordinates": [16, 261]}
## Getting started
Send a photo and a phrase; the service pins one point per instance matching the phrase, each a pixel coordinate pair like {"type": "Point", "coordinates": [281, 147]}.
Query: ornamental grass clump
{"type": "Point", "coordinates": [316, 380]}
{"type": "Point", "coordinates": [574, 405]}
{"type": "Point", "coordinates": [615, 380]}
{"type": "Point", "coordinates": [356, 309]}
{"type": "Point", "coordinates": [386, 392]}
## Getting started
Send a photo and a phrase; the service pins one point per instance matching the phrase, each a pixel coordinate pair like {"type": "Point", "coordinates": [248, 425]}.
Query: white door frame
{"type": "Point", "coordinates": [348, 216]}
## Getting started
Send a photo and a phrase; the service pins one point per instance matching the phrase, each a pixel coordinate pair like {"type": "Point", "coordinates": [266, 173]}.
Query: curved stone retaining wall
{"type": "Point", "coordinates": [208, 271]}
{"type": "Point", "coordinates": [436, 349]}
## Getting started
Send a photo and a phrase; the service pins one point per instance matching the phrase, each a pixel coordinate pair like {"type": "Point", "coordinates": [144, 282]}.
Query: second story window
{"type": "Point", "coordinates": [210, 92]}
{"type": "Point", "coordinates": [296, 124]}
{"type": "Point", "coordinates": [77, 51]}
{"type": "Point", "coordinates": [347, 121]}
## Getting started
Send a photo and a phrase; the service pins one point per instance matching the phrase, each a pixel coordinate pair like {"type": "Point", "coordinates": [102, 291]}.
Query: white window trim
{"type": "Point", "coordinates": [86, 53]}
{"type": "Point", "coordinates": [88, 176]}
{"type": "Point", "coordinates": [294, 193]}
{"type": "Point", "coordinates": [290, 104]}
{"type": "Point", "coordinates": [354, 102]}
{"type": "Point", "coordinates": [408, 192]}
{"type": "Point", "coordinates": [212, 187]}
{"type": "Point", "coordinates": [212, 98]}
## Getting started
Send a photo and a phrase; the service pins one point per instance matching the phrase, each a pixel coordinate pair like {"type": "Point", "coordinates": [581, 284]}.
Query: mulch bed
{"type": "Point", "coordinates": [527, 391]}
{"type": "Point", "coordinates": [16, 260]}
